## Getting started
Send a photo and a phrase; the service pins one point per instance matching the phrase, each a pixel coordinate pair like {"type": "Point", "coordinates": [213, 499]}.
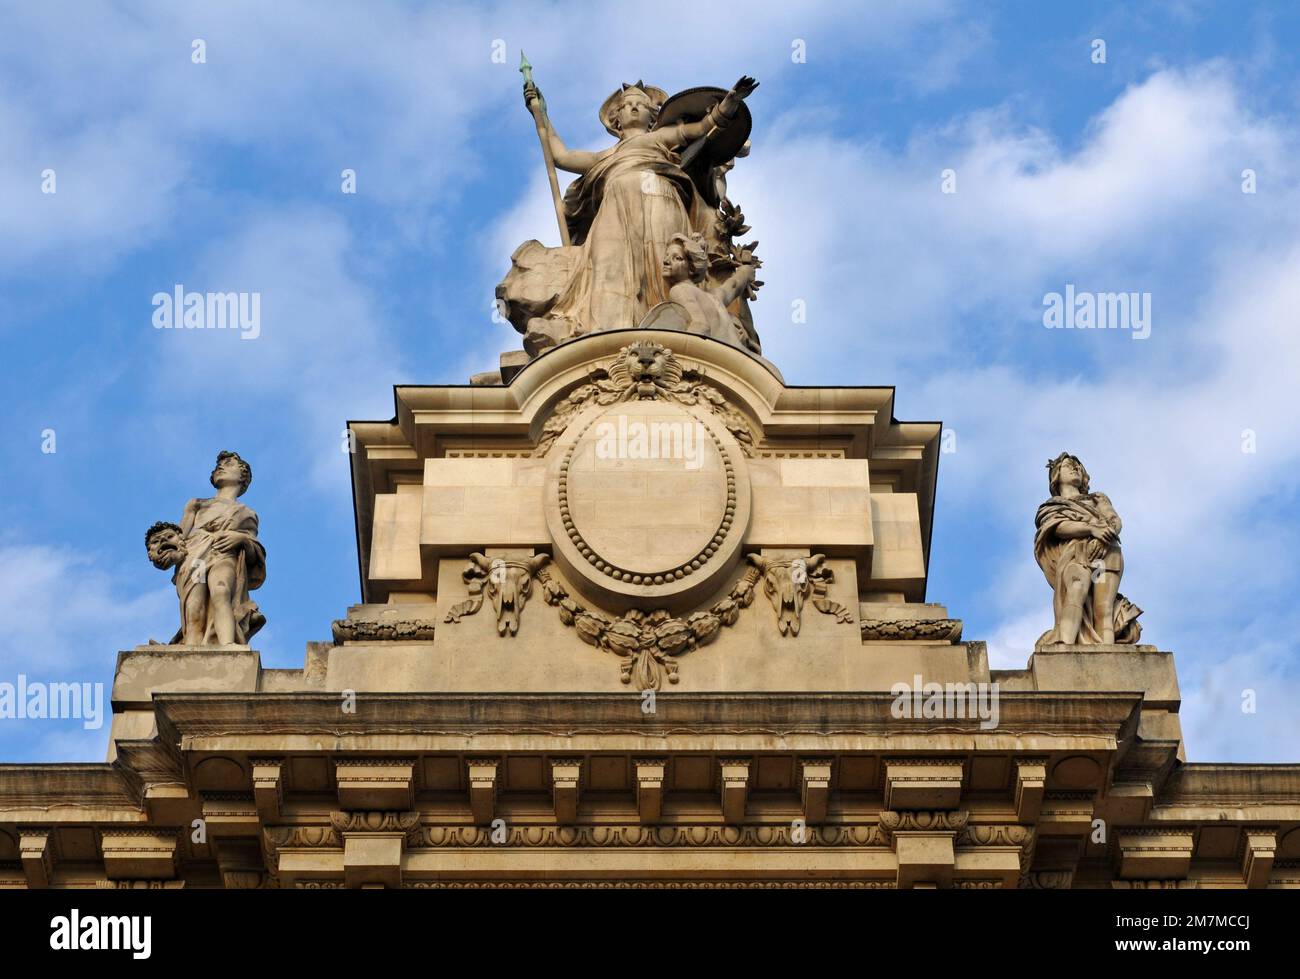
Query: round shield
{"type": "Point", "coordinates": [692, 105]}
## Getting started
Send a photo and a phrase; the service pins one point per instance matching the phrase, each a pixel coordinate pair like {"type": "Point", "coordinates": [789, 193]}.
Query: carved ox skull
{"type": "Point", "coordinates": [788, 584]}
{"type": "Point", "coordinates": [507, 585]}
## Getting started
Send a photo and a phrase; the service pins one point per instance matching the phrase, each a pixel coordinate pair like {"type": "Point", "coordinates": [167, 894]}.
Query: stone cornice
{"type": "Point", "coordinates": [74, 786]}
{"type": "Point", "coordinates": [1231, 785]}
{"type": "Point", "coordinates": [149, 762]}
{"type": "Point", "coordinates": [1030, 722]}
{"type": "Point", "coordinates": [650, 884]}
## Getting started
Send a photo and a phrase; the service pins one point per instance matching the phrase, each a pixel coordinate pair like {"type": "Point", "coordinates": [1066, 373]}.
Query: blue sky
{"type": "Point", "coordinates": [225, 176]}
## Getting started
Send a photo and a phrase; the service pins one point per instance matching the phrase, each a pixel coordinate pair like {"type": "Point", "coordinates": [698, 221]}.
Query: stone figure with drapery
{"type": "Point", "coordinates": [217, 559]}
{"type": "Point", "coordinates": [1077, 545]}
{"type": "Point", "coordinates": [663, 178]}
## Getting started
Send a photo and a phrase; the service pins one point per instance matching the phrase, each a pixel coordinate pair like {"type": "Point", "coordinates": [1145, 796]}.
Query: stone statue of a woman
{"type": "Point", "coordinates": [218, 560]}
{"type": "Point", "coordinates": [1077, 546]}
{"type": "Point", "coordinates": [625, 207]}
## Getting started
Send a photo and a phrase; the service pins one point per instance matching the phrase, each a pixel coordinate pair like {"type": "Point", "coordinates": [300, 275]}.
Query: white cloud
{"type": "Point", "coordinates": [1243, 707]}
{"type": "Point", "coordinates": [409, 98]}
{"type": "Point", "coordinates": [902, 273]}
{"type": "Point", "coordinates": [63, 610]}
{"type": "Point", "coordinates": [324, 354]}
{"type": "Point", "coordinates": [940, 294]}
{"type": "Point", "coordinates": [66, 616]}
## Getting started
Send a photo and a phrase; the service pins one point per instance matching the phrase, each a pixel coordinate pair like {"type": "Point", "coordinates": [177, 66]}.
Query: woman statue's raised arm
{"type": "Point", "coordinates": [574, 161]}
{"type": "Point", "coordinates": [721, 114]}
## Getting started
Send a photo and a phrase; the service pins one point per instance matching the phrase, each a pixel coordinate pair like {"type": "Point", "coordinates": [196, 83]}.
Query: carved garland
{"type": "Point", "coordinates": [893, 630]}
{"type": "Point", "coordinates": [389, 630]}
{"type": "Point", "coordinates": [649, 642]}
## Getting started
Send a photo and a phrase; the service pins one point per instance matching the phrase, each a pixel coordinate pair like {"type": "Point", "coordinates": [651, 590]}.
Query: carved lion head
{"type": "Point", "coordinates": [645, 367]}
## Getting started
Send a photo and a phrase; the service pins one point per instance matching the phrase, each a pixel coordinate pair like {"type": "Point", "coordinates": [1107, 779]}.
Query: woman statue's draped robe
{"type": "Point", "coordinates": [1065, 559]}
{"type": "Point", "coordinates": [248, 561]}
{"type": "Point", "coordinates": [621, 215]}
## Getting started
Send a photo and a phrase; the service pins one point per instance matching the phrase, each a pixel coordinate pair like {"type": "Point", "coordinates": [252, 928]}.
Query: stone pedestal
{"type": "Point", "coordinates": [1142, 669]}
{"type": "Point", "coordinates": [146, 670]}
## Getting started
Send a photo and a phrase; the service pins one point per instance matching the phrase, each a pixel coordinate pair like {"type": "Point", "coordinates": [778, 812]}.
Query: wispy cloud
{"type": "Point", "coordinates": [941, 294]}
{"type": "Point", "coordinates": [66, 615]}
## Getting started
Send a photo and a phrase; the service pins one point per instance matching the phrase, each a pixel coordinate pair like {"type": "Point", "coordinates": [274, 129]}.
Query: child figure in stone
{"type": "Point", "coordinates": [686, 270]}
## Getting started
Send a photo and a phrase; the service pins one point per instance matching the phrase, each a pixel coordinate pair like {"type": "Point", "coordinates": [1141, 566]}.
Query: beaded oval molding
{"type": "Point", "coordinates": [625, 575]}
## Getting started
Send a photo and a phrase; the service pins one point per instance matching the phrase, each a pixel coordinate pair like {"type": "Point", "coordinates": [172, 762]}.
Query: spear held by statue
{"type": "Point", "coordinates": [537, 106]}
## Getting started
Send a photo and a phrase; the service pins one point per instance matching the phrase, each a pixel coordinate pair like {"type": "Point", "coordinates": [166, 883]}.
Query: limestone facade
{"type": "Point", "coordinates": [647, 616]}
